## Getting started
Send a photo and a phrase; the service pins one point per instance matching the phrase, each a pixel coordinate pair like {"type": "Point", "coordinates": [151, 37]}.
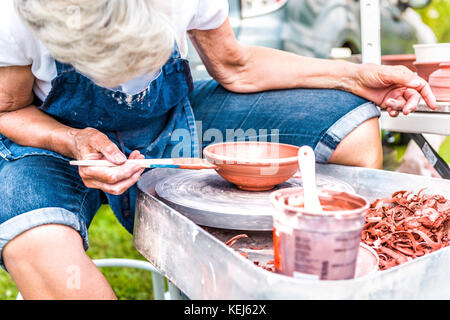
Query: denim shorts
{"type": "Point", "coordinates": [37, 189]}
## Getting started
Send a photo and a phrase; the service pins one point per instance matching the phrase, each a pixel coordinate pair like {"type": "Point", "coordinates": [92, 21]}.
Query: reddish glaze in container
{"type": "Point", "coordinates": [317, 246]}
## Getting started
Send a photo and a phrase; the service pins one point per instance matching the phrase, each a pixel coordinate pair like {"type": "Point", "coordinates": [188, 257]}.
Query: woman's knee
{"type": "Point", "coordinates": [49, 262]}
{"type": "Point", "coordinates": [38, 246]}
{"type": "Point", "coordinates": [361, 147]}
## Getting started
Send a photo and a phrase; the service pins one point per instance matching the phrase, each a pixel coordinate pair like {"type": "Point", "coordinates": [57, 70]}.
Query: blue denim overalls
{"type": "Point", "coordinates": [143, 122]}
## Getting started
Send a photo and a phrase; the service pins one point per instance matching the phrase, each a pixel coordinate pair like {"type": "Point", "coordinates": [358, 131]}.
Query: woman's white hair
{"type": "Point", "coordinates": [110, 41]}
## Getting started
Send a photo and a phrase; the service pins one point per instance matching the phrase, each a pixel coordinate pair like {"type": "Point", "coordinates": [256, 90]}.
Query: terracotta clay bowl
{"type": "Point", "coordinates": [252, 165]}
{"type": "Point", "coordinates": [440, 82]}
{"type": "Point", "coordinates": [406, 60]}
{"type": "Point", "coordinates": [425, 69]}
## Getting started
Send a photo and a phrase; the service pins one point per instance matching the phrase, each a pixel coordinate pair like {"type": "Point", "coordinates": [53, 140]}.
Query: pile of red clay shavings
{"type": "Point", "coordinates": [406, 226]}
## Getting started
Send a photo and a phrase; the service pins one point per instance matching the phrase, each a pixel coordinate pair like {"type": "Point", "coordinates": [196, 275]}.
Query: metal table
{"type": "Point", "coordinates": [423, 120]}
{"type": "Point", "coordinates": [197, 261]}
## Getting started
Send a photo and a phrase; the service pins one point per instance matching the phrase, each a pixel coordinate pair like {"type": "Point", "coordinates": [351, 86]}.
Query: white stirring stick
{"type": "Point", "coordinates": [181, 163]}
{"type": "Point", "coordinates": [307, 163]}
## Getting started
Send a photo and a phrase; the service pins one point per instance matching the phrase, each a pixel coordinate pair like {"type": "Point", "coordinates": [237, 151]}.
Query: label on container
{"type": "Point", "coordinates": [327, 255]}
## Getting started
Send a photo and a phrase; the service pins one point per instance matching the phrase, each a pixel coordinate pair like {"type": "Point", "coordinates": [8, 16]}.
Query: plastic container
{"type": "Point", "coordinates": [320, 246]}
{"type": "Point", "coordinates": [433, 52]}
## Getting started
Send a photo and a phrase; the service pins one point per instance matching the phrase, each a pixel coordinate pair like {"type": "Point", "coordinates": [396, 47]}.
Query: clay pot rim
{"type": "Point", "coordinates": [432, 45]}
{"type": "Point", "coordinates": [429, 63]}
{"type": "Point", "coordinates": [242, 161]}
{"type": "Point", "coordinates": [399, 57]}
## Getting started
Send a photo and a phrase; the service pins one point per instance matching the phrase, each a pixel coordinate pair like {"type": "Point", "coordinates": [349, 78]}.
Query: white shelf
{"type": "Point", "coordinates": [424, 120]}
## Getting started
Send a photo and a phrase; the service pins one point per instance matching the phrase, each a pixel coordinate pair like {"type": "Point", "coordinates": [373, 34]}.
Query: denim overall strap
{"type": "Point", "coordinates": [63, 68]}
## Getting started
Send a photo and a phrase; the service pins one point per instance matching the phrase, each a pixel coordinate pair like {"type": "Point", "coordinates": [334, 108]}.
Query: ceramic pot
{"type": "Point", "coordinates": [440, 82]}
{"type": "Point", "coordinates": [252, 165]}
{"type": "Point", "coordinates": [406, 60]}
{"type": "Point", "coordinates": [425, 69]}
{"type": "Point", "coordinates": [433, 52]}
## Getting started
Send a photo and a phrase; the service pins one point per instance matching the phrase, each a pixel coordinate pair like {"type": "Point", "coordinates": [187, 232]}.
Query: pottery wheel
{"type": "Point", "coordinates": [208, 200]}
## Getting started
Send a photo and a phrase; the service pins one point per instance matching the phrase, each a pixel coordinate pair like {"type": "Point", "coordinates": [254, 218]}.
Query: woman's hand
{"type": "Point", "coordinates": [92, 144]}
{"type": "Point", "coordinates": [394, 88]}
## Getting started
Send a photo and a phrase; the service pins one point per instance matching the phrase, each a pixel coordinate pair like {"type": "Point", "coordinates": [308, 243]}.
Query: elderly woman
{"type": "Point", "coordinates": [92, 79]}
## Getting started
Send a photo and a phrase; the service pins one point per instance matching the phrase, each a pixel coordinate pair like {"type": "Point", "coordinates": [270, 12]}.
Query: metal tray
{"type": "Point", "coordinates": [197, 261]}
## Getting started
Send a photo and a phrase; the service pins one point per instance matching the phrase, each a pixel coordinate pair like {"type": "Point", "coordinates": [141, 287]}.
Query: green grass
{"type": "Point", "coordinates": [436, 17]}
{"type": "Point", "coordinates": [8, 290]}
{"type": "Point", "coordinates": [444, 150]}
{"type": "Point", "coordinates": [108, 239]}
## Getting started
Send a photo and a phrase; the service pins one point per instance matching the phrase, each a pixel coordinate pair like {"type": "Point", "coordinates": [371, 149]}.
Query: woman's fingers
{"type": "Point", "coordinates": [413, 100]}
{"type": "Point", "coordinates": [405, 100]}
{"type": "Point", "coordinates": [113, 180]}
{"type": "Point", "coordinates": [110, 175]}
{"type": "Point", "coordinates": [136, 155]}
{"type": "Point", "coordinates": [90, 141]}
{"type": "Point", "coordinates": [403, 77]}
{"type": "Point", "coordinates": [393, 113]}
{"type": "Point", "coordinates": [395, 104]}
{"type": "Point", "coordinates": [115, 188]}
{"type": "Point", "coordinates": [394, 99]}
{"type": "Point", "coordinates": [424, 90]}
{"type": "Point", "coordinates": [112, 153]}
{"type": "Point", "coordinates": [93, 144]}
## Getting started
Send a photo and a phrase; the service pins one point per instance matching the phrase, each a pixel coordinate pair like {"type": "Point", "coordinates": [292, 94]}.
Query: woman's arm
{"type": "Point", "coordinates": [241, 68]}
{"type": "Point", "coordinates": [21, 121]}
{"type": "Point", "coordinates": [26, 125]}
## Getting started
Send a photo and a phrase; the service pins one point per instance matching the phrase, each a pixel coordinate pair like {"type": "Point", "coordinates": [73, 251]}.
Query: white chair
{"type": "Point", "coordinates": [159, 292]}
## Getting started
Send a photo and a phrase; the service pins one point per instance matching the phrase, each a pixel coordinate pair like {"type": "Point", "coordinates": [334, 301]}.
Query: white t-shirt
{"type": "Point", "coordinates": [18, 46]}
